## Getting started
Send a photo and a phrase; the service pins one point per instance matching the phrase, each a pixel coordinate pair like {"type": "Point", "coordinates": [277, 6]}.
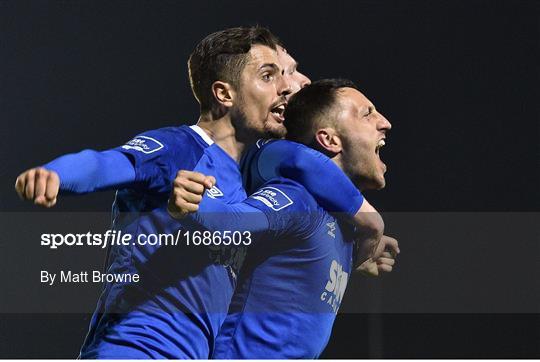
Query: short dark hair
{"type": "Point", "coordinates": [222, 56]}
{"type": "Point", "coordinates": [310, 109]}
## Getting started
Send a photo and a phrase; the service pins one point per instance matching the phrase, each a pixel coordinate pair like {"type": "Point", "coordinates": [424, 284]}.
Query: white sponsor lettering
{"type": "Point", "coordinates": [143, 144]}
{"type": "Point", "coordinates": [331, 229]}
{"type": "Point", "coordinates": [273, 198]}
{"type": "Point", "coordinates": [335, 287]}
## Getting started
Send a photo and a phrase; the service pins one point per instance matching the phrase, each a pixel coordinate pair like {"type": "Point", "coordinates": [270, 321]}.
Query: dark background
{"type": "Point", "coordinates": [460, 82]}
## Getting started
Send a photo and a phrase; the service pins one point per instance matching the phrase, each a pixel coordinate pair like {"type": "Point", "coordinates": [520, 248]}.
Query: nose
{"type": "Point", "coordinates": [297, 81]}
{"type": "Point", "coordinates": [284, 86]}
{"type": "Point", "coordinates": [304, 81]}
{"type": "Point", "coordinates": [383, 123]}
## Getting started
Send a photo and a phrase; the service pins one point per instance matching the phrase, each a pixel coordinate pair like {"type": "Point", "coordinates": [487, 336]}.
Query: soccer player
{"type": "Point", "coordinates": [177, 308]}
{"type": "Point", "coordinates": [305, 165]}
{"type": "Point", "coordinates": [294, 278]}
{"type": "Point", "coordinates": [183, 293]}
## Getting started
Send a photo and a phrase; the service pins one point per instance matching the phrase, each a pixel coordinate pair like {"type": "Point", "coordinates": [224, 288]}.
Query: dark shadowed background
{"type": "Point", "coordinates": [460, 82]}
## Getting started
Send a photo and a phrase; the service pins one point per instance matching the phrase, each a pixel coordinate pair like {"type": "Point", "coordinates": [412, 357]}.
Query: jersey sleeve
{"type": "Point", "coordinates": [281, 207]}
{"type": "Point", "coordinates": [89, 171]}
{"type": "Point", "coordinates": [289, 208]}
{"type": "Point", "coordinates": [330, 187]}
{"type": "Point", "coordinates": [216, 215]}
{"type": "Point", "coordinates": [153, 154]}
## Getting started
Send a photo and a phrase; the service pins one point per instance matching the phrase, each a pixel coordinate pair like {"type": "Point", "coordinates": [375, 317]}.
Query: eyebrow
{"type": "Point", "coordinates": [362, 109]}
{"type": "Point", "coordinates": [270, 65]}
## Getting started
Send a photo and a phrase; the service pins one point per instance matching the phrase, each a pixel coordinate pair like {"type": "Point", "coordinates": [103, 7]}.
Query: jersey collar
{"type": "Point", "coordinates": [202, 133]}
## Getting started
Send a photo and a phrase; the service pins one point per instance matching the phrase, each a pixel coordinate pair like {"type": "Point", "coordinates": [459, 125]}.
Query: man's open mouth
{"type": "Point", "coordinates": [279, 111]}
{"type": "Point", "coordinates": [380, 145]}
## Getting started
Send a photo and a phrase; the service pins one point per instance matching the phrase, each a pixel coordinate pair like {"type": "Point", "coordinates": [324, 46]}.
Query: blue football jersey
{"type": "Point", "coordinates": [292, 282]}
{"type": "Point", "coordinates": [268, 159]}
{"type": "Point", "coordinates": [181, 300]}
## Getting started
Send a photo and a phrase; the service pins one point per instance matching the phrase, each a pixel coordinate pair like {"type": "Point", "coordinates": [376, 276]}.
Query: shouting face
{"type": "Point", "coordinates": [295, 79]}
{"type": "Point", "coordinates": [261, 96]}
{"type": "Point", "coordinates": [362, 130]}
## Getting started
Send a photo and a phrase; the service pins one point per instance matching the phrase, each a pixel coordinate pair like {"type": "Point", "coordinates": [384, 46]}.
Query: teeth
{"type": "Point", "coordinates": [279, 110]}
{"type": "Point", "coordinates": [380, 144]}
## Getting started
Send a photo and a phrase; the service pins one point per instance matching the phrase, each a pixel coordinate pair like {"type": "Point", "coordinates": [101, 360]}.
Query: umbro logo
{"type": "Point", "coordinates": [331, 228]}
{"type": "Point", "coordinates": [214, 192]}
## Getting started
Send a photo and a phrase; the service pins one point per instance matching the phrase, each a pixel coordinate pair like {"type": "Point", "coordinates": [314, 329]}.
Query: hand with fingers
{"type": "Point", "coordinates": [187, 193]}
{"type": "Point", "coordinates": [383, 258]}
{"type": "Point", "coordinates": [38, 185]}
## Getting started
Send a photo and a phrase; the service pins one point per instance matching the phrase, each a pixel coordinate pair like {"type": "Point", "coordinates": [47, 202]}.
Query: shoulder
{"type": "Point", "coordinates": [160, 139]}
{"type": "Point", "coordinates": [289, 154]}
{"type": "Point", "coordinates": [163, 142]}
{"type": "Point", "coordinates": [275, 145]}
{"type": "Point", "coordinates": [158, 154]}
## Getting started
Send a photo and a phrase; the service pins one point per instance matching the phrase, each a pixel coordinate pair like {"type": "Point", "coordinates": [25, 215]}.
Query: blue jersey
{"type": "Point", "coordinates": [293, 281]}
{"type": "Point", "coordinates": [180, 302]}
{"type": "Point", "coordinates": [316, 172]}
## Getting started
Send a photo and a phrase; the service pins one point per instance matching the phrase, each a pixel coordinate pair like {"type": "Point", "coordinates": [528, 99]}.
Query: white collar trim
{"type": "Point", "coordinates": [202, 133]}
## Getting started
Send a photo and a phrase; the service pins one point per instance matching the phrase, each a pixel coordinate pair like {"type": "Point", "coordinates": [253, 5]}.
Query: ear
{"type": "Point", "coordinates": [328, 139]}
{"type": "Point", "coordinates": [223, 93]}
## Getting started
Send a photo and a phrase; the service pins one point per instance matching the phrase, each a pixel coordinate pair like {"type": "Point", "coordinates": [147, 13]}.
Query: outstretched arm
{"type": "Point", "coordinates": [330, 187]}
{"type": "Point", "coordinates": [187, 196]}
{"type": "Point", "coordinates": [328, 184]}
{"type": "Point", "coordinates": [188, 202]}
{"type": "Point", "coordinates": [78, 173]}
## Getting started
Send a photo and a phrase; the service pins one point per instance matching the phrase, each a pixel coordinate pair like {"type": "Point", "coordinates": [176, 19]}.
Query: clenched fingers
{"type": "Point", "coordinates": [196, 177]}
{"type": "Point", "coordinates": [39, 185]}
{"type": "Point", "coordinates": [368, 268]}
{"type": "Point", "coordinates": [185, 196]}
{"type": "Point", "coordinates": [391, 245]}
{"type": "Point", "coordinates": [29, 184]}
{"type": "Point", "coordinates": [384, 268]}
{"type": "Point", "coordinates": [53, 186]}
{"type": "Point", "coordinates": [178, 209]}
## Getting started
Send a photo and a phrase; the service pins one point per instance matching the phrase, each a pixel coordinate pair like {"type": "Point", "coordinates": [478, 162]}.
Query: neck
{"type": "Point", "coordinates": [222, 131]}
{"type": "Point", "coordinates": [338, 160]}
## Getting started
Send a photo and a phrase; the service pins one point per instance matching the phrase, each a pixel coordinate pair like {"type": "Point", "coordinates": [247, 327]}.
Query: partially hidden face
{"type": "Point", "coordinates": [362, 130]}
{"type": "Point", "coordinates": [261, 97]}
{"type": "Point", "coordinates": [295, 79]}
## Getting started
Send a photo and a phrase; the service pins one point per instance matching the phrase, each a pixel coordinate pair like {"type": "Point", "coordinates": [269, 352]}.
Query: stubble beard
{"type": "Point", "coordinates": [363, 174]}
{"type": "Point", "coordinates": [256, 129]}
{"type": "Point", "coordinates": [277, 131]}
